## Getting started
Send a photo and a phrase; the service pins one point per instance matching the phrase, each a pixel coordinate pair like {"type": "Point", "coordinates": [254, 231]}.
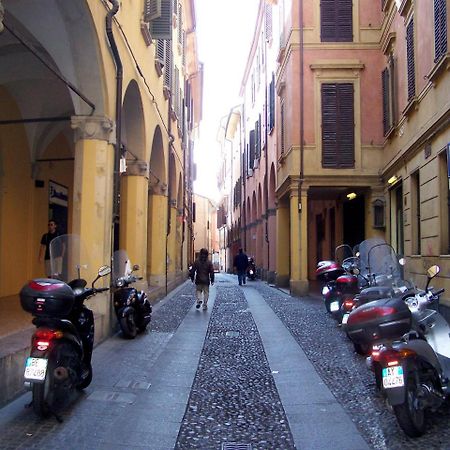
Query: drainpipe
{"type": "Point", "coordinates": [302, 132]}
{"type": "Point", "coordinates": [118, 145]}
{"type": "Point", "coordinates": [266, 199]}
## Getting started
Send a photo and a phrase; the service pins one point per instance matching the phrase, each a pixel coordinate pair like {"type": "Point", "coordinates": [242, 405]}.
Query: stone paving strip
{"type": "Point", "coordinates": [234, 399]}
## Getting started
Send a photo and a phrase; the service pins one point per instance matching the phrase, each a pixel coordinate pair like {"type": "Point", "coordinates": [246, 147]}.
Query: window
{"type": "Point", "coordinates": [411, 66]}
{"type": "Point", "coordinates": [251, 150]}
{"type": "Point", "coordinates": [336, 22]}
{"type": "Point", "coordinates": [415, 213]}
{"type": "Point", "coordinates": [271, 118]}
{"type": "Point", "coordinates": [444, 197]}
{"type": "Point", "coordinates": [396, 195]}
{"type": "Point", "coordinates": [338, 129]}
{"type": "Point", "coordinates": [268, 22]}
{"type": "Point", "coordinates": [282, 130]}
{"type": "Point", "coordinates": [388, 89]}
{"type": "Point", "coordinates": [440, 29]}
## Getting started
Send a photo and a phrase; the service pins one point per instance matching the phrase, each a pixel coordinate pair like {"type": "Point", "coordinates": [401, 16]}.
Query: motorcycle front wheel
{"type": "Point", "coordinates": [86, 381]}
{"type": "Point", "coordinates": [44, 394]}
{"type": "Point", "coordinates": [128, 325]}
{"type": "Point", "coordinates": [410, 416]}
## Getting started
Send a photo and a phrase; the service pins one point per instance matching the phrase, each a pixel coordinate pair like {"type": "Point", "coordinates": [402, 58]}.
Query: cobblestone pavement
{"type": "Point", "coordinates": [346, 375]}
{"type": "Point", "coordinates": [234, 398]}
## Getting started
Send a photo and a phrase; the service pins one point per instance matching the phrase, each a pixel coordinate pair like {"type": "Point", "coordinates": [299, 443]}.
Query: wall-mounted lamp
{"type": "Point", "coordinates": [351, 196]}
{"type": "Point", "coordinates": [392, 180]}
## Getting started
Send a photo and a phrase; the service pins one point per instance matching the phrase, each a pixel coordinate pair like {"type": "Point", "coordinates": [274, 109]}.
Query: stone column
{"type": "Point", "coordinates": [133, 213]}
{"type": "Point", "coordinates": [282, 257]}
{"type": "Point", "coordinates": [157, 234]}
{"type": "Point", "coordinates": [93, 186]}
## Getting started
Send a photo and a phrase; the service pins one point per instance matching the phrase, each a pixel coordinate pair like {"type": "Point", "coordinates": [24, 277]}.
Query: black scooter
{"type": "Point", "coordinates": [132, 307]}
{"type": "Point", "coordinates": [62, 344]}
{"type": "Point", "coordinates": [251, 269]}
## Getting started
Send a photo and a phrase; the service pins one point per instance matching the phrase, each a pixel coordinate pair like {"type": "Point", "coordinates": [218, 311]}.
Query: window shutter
{"type": "Point", "coordinates": [152, 10]}
{"type": "Point", "coordinates": [272, 104]}
{"type": "Point", "coordinates": [336, 20]}
{"type": "Point", "coordinates": [440, 29]}
{"type": "Point", "coordinates": [386, 100]}
{"type": "Point", "coordinates": [410, 60]}
{"type": "Point", "coordinates": [160, 50]}
{"type": "Point", "coordinates": [161, 27]}
{"type": "Point", "coordinates": [282, 130]}
{"type": "Point", "coordinates": [268, 22]}
{"type": "Point", "coordinates": [168, 64]}
{"type": "Point", "coordinates": [180, 24]}
{"type": "Point", "coordinates": [346, 126]}
{"type": "Point", "coordinates": [252, 146]}
{"type": "Point", "coordinates": [338, 125]}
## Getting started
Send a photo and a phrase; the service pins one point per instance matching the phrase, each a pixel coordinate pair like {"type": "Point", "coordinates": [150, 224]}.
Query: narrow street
{"type": "Point", "coordinates": [258, 370]}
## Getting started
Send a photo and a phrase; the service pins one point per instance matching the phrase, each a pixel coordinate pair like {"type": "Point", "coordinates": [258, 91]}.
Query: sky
{"type": "Point", "coordinates": [224, 32]}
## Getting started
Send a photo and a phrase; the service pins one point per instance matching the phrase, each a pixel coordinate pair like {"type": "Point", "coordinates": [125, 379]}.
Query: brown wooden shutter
{"type": "Point", "coordinates": [251, 156]}
{"type": "Point", "coordinates": [336, 20]}
{"type": "Point", "coordinates": [152, 10]}
{"type": "Point", "coordinates": [161, 27]}
{"type": "Point", "coordinates": [168, 64]}
{"type": "Point", "coordinates": [440, 29]}
{"type": "Point", "coordinates": [386, 100]}
{"type": "Point", "coordinates": [410, 60]}
{"type": "Point", "coordinates": [338, 125]}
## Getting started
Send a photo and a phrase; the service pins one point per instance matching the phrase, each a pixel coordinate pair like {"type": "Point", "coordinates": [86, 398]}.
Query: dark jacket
{"type": "Point", "coordinates": [202, 270]}
{"type": "Point", "coordinates": [241, 262]}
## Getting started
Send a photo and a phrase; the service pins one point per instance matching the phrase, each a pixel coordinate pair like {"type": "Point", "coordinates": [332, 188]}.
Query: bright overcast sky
{"type": "Point", "coordinates": [224, 33]}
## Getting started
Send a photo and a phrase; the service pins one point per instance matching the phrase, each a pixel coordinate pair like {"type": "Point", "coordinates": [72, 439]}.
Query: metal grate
{"type": "Point", "coordinates": [236, 446]}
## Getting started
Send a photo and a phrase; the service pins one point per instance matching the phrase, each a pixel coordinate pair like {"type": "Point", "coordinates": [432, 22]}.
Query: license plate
{"type": "Point", "coordinates": [334, 306]}
{"type": "Point", "coordinates": [393, 377]}
{"type": "Point", "coordinates": [35, 369]}
{"type": "Point", "coordinates": [345, 319]}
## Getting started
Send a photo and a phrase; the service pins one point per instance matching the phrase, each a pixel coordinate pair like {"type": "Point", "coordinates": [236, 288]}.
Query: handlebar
{"type": "Point", "coordinates": [101, 289]}
{"type": "Point", "coordinates": [439, 292]}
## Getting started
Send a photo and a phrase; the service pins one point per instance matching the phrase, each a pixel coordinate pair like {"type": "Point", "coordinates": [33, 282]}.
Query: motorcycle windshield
{"type": "Point", "coordinates": [342, 252]}
{"type": "Point", "coordinates": [121, 265]}
{"type": "Point", "coordinates": [69, 258]}
{"type": "Point", "coordinates": [378, 259]}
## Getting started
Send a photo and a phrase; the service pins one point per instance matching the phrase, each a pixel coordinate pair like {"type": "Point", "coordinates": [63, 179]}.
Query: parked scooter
{"type": "Point", "coordinates": [340, 279]}
{"type": "Point", "coordinates": [61, 346]}
{"type": "Point", "coordinates": [133, 310]}
{"type": "Point", "coordinates": [251, 269]}
{"type": "Point", "coordinates": [412, 358]}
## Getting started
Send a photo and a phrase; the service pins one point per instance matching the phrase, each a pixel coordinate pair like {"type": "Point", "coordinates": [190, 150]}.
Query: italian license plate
{"type": "Point", "coordinates": [35, 369]}
{"type": "Point", "coordinates": [345, 319]}
{"type": "Point", "coordinates": [393, 377]}
{"type": "Point", "coordinates": [334, 306]}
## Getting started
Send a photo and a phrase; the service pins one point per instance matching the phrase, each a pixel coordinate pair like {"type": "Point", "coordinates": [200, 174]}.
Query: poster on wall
{"type": "Point", "coordinates": [58, 200]}
{"type": "Point", "coordinates": [58, 194]}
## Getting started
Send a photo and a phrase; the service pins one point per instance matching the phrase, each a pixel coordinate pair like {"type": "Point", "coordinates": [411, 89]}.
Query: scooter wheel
{"type": "Point", "coordinates": [410, 415]}
{"type": "Point", "coordinates": [128, 325]}
{"type": "Point", "coordinates": [44, 393]}
{"type": "Point", "coordinates": [87, 380]}
{"type": "Point", "coordinates": [362, 349]}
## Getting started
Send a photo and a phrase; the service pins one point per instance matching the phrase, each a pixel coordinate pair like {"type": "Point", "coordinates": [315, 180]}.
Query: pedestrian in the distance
{"type": "Point", "coordinates": [202, 272]}
{"type": "Point", "coordinates": [44, 249]}
{"type": "Point", "coordinates": [241, 264]}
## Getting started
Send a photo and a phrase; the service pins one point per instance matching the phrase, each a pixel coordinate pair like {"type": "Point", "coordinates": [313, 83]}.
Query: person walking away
{"type": "Point", "coordinates": [241, 264]}
{"type": "Point", "coordinates": [44, 249]}
{"type": "Point", "coordinates": [202, 273]}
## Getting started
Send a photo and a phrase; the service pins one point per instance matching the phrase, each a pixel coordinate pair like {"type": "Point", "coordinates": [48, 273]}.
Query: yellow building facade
{"type": "Point", "coordinates": [99, 106]}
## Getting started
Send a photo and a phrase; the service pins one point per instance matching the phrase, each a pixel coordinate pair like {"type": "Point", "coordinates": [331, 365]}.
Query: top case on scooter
{"type": "Point", "coordinates": [386, 319]}
{"type": "Point", "coordinates": [46, 297]}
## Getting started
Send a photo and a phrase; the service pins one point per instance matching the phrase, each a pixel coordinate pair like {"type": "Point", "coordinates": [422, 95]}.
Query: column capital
{"type": "Point", "coordinates": [93, 127]}
{"type": "Point", "coordinates": [137, 168]}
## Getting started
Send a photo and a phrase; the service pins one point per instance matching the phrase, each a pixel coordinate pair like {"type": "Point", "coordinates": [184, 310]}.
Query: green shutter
{"type": "Point", "coordinates": [411, 66]}
{"type": "Point", "coordinates": [152, 10]}
{"type": "Point", "coordinates": [161, 27]}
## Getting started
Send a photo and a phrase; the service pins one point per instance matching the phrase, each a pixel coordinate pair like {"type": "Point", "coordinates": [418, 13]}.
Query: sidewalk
{"type": "Point", "coordinates": [199, 379]}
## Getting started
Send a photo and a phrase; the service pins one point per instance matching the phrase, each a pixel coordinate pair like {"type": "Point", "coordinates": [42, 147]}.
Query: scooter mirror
{"type": "Point", "coordinates": [104, 270]}
{"type": "Point", "coordinates": [136, 267]}
{"type": "Point", "coordinates": [433, 271]}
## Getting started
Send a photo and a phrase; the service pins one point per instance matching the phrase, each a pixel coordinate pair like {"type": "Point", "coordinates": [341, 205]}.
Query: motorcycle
{"type": "Point", "coordinates": [339, 278]}
{"type": "Point", "coordinates": [62, 344]}
{"type": "Point", "coordinates": [412, 358]}
{"type": "Point", "coordinates": [379, 275]}
{"type": "Point", "coordinates": [132, 308]}
{"type": "Point", "coordinates": [251, 269]}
